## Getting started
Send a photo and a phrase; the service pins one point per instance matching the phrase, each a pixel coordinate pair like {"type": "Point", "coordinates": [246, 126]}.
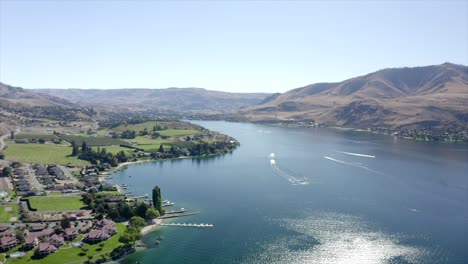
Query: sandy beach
{"type": "Point", "coordinates": [145, 230]}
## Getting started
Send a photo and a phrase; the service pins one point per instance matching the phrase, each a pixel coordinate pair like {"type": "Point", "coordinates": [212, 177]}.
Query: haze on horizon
{"type": "Point", "coordinates": [234, 46]}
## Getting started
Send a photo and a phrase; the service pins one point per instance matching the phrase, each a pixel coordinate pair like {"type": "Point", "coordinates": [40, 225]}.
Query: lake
{"type": "Point", "coordinates": [325, 196]}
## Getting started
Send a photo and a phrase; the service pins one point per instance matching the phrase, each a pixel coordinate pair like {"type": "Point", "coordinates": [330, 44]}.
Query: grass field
{"type": "Point", "coordinates": [65, 255]}
{"type": "Point", "coordinates": [114, 149]}
{"type": "Point", "coordinates": [56, 203]}
{"type": "Point", "coordinates": [6, 214]}
{"type": "Point", "coordinates": [42, 153]}
{"type": "Point", "coordinates": [178, 132]}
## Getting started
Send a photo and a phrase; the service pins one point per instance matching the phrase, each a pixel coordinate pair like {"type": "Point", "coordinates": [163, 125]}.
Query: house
{"type": "Point", "coordinates": [56, 240]}
{"type": "Point", "coordinates": [30, 242]}
{"type": "Point", "coordinates": [46, 233]}
{"type": "Point", "coordinates": [8, 242]}
{"type": "Point", "coordinates": [95, 236]}
{"type": "Point", "coordinates": [70, 233]}
{"type": "Point", "coordinates": [86, 227]}
{"type": "Point", "coordinates": [3, 229]}
{"type": "Point", "coordinates": [37, 228]}
{"type": "Point", "coordinates": [45, 249]}
{"type": "Point", "coordinates": [7, 233]}
{"type": "Point", "coordinates": [108, 226]}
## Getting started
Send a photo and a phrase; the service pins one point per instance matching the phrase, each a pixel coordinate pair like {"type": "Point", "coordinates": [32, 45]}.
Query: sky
{"type": "Point", "coordinates": [234, 46]}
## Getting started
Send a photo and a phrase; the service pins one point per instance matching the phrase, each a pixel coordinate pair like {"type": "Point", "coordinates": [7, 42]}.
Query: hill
{"type": "Point", "coordinates": [173, 99]}
{"type": "Point", "coordinates": [430, 96]}
{"type": "Point", "coordinates": [17, 103]}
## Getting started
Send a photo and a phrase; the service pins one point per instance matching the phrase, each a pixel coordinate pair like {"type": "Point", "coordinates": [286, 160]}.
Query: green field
{"type": "Point", "coordinates": [42, 153]}
{"type": "Point", "coordinates": [65, 255]}
{"type": "Point", "coordinates": [93, 141]}
{"type": "Point", "coordinates": [37, 136]}
{"type": "Point", "coordinates": [178, 132]}
{"type": "Point", "coordinates": [114, 149]}
{"type": "Point", "coordinates": [5, 214]}
{"type": "Point", "coordinates": [56, 203]}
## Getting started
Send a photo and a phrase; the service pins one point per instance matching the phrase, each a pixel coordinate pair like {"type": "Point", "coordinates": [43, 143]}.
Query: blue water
{"type": "Point", "coordinates": [407, 204]}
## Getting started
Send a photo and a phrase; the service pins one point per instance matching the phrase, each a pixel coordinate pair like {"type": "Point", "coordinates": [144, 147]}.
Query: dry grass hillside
{"type": "Point", "coordinates": [400, 97]}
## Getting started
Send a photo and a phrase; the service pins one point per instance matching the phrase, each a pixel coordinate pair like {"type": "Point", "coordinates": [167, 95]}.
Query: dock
{"type": "Point", "coordinates": [177, 215]}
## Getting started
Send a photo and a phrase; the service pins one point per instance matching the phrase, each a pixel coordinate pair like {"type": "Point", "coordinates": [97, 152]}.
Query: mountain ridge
{"type": "Point", "coordinates": [433, 95]}
{"type": "Point", "coordinates": [173, 98]}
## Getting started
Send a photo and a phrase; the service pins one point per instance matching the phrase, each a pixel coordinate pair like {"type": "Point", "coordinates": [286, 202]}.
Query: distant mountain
{"type": "Point", "coordinates": [399, 97]}
{"type": "Point", "coordinates": [16, 96]}
{"type": "Point", "coordinates": [16, 102]}
{"type": "Point", "coordinates": [175, 99]}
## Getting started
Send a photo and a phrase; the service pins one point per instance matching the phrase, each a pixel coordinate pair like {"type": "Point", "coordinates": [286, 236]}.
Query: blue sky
{"type": "Point", "coordinates": [236, 46]}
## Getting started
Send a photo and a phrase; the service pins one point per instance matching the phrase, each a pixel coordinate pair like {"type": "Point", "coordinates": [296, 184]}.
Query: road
{"type": "Point", "coordinates": [2, 139]}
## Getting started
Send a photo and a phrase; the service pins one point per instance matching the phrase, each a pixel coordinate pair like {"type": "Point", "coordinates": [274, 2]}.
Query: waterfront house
{"type": "Point", "coordinates": [45, 249]}
{"type": "Point", "coordinates": [95, 236]}
{"type": "Point", "coordinates": [30, 242]}
{"type": "Point", "coordinates": [85, 228]}
{"type": "Point", "coordinates": [56, 240]}
{"type": "Point", "coordinates": [70, 233]}
{"type": "Point", "coordinates": [8, 242]}
{"type": "Point", "coordinates": [108, 226]}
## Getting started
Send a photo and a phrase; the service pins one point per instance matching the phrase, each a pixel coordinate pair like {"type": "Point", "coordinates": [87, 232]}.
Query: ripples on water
{"type": "Point", "coordinates": [334, 238]}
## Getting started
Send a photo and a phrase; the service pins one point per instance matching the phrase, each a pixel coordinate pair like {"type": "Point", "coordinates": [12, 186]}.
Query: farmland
{"type": "Point", "coordinates": [92, 141]}
{"type": "Point", "coordinates": [42, 153]}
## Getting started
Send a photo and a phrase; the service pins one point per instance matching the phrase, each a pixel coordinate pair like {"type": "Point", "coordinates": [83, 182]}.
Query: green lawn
{"type": "Point", "coordinates": [56, 203]}
{"type": "Point", "coordinates": [178, 132]}
{"type": "Point", "coordinates": [114, 149]}
{"type": "Point", "coordinates": [73, 254]}
{"type": "Point", "coordinates": [42, 153]}
{"type": "Point", "coordinates": [6, 214]}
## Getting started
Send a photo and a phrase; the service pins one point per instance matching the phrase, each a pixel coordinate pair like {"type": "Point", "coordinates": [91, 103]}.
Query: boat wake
{"type": "Point", "coordinates": [294, 180]}
{"type": "Point", "coordinates": [359, 165]}
{"type": "Point", "coordinates": [356, 154]}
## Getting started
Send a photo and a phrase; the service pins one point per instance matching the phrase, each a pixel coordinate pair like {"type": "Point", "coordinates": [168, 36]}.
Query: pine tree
{"type": "Point", "coordinates": [157, 202]}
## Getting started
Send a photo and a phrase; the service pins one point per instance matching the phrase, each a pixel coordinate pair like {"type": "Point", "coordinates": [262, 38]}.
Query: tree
{"type": "Point", "coordinates": [19, 235]}
{"type": "Point", "coordinates": [12, 134]}
{"type": "Point", "coordinates": [161, 149]}
{"type": "Point", "coordinates": [41, 141]}
{"type": "Point", "coordinates": [137, 222]}
{"type": "Point", "coordinates": [2, 155]}
{"type": "Point", "coordinates": [157, 202]}
{"type": "Point", "coordinates": [84, 147]}
{"type": "Point", "coordinates": [65, 222]}
{"type": "Point", "coordinates": [152, 213]}
{"type": "Point", "coordinates": [7, 172]}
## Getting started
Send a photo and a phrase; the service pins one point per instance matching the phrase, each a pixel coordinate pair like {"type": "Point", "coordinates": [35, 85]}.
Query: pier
{"type": "Point", "coordinates": [177, 215]}
{"type": "Point", "coordinates": [187, 225]}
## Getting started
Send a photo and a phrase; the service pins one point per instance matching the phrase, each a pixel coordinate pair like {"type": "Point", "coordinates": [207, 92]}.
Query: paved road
{"type": "Point", "coordinates": [31, 176]}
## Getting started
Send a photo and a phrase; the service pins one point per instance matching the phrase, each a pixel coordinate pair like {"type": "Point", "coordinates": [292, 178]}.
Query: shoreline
{"type": "Point", "coordinates": [149, 228]}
